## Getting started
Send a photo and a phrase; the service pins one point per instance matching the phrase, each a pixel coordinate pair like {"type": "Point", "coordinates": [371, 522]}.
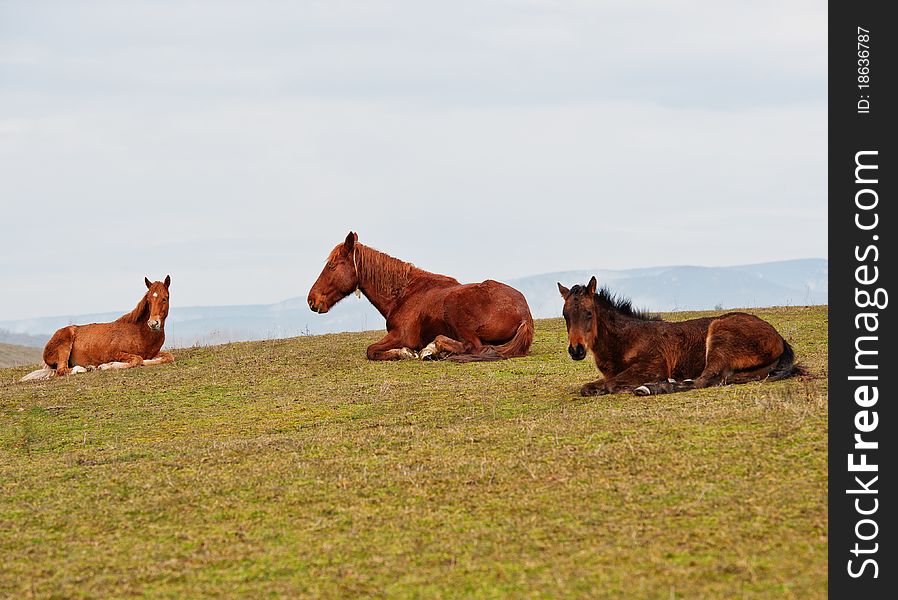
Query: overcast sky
{"type": "Point", "coordinates": [233, 144]}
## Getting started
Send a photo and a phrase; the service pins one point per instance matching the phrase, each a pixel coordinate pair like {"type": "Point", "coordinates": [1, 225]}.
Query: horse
{"type": "Point", "coordinates": [640, 353]}
{"type": "Point", "coordinates": [429, 316]}
{"type": "Point", "coordinates": [132, 340]}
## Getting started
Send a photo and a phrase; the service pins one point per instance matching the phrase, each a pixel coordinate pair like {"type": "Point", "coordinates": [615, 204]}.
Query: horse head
{"type": "Point", "coordinates": [579, 316]}
{"type": "Point", "coordinates": [157, 301]}
{"type": "Point", "coordinates": [338, 279]}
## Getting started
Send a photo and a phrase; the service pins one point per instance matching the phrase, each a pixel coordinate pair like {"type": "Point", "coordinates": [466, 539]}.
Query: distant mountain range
{"type": "Point", "coordinates": [662, 289]}
{"type": "Point", "coordinates": [670, 289]}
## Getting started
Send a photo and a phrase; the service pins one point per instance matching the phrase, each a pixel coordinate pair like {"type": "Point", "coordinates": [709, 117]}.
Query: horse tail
{"type": "Point", "coordinates": [43, 373]}
{"type": "Point", "coordinates": [786, 366]}
{"type": "Point", "coordinates": [518, 345]}
{"type": "Point", "coordinates": [782, 368]}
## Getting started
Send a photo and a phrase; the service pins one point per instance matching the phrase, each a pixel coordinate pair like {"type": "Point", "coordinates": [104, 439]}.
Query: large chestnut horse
{"type": "Point", "coordinates": [426, 312]}
{"type": "Point", "coordinates": [132, 340]}
{"type": "Point", "coordinates": [645, 355]}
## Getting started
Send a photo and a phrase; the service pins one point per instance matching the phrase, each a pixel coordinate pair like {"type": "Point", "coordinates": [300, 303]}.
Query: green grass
{"type": "Point", "coordinates": [298, 468]}
{"type": "Point", "coordinates": [12, 355]}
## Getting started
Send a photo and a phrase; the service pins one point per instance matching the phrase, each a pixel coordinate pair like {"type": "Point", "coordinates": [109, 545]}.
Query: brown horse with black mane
{"type": "Point", "coordinates": [642, 354]}
{"type": "Point", "coordinates": [131, 340]}
{"type": "Point", "coordinates": [426, 312]}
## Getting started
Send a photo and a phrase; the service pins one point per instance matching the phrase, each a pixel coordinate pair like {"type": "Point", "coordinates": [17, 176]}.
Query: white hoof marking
{"type": "Point", "coordinates": [643, 391]}
{"type": "Point", "coordinates": [429, 350]}
{"type": "Point", "coordinates": [78, 369]}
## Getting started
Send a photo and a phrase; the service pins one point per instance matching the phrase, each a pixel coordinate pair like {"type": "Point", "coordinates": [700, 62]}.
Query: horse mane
{"type": "Point", "coordinates": [385, 274]}
{"type": "Point", "coordinates": [619, 304]}
{"type": "Point", "coordinates": [138, 314]}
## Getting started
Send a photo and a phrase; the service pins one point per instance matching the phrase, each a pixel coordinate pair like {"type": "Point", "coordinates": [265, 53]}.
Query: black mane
{"type": "Point", "coordinates": [607, 299]}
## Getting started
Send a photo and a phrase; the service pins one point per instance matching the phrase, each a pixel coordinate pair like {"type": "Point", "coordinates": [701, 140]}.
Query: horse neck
{"type": "Point", "coordinates": [139, 316]}
{"type": "Point", "coordinates": [382, 278]}
{"type": "Point", "coordinates": [139, 313]}
{"type": "Point", "coordinates": [608, 345]}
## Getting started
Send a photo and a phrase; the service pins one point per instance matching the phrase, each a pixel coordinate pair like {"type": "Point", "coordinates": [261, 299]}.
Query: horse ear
{"type": "Point", "coordinates": [351, 238]}
{"type": "Point", "coordinates": [591, 287]}
{"type": "Point", "coordinates": [147, 281]}
{"type": "Point", "coordinates": [167, 281]}
{"type": "Point", "coordinates": [564, 291]}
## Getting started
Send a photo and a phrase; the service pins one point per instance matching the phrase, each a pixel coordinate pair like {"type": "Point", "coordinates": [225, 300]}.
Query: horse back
{"type": "Point", "coordinates": [491, 309]}
{"type": "Point", "coordinates": [741, 336]}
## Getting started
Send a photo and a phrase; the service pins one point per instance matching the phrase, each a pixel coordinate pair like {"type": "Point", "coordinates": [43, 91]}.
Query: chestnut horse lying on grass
{"type": "Point", "coordinates": [425, 312]}
{"type": "Point", "coordinates": [132, 340]}
{"type": "Point", "coordinates": [645, 355]}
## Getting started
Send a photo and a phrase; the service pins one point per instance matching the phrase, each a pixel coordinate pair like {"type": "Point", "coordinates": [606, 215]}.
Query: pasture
{"type": "Point", "coordinates": [298, 468]}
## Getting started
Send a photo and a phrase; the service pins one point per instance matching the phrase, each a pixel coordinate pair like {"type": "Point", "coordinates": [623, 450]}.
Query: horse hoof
{"type": "Point", "coordinates": [428, 351]}
{"type": "Point", "coordinates": [78, 369]}
{"type": "Point", "coordinates": [642, 391]}
{"type": "Point", "coordinates": [408, 353]}
{"type": "Point", "coordinates": [671, 380]}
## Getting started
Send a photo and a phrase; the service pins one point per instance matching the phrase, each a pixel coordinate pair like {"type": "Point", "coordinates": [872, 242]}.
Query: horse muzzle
{"type": "Point", "coordinates": [155, 324]}
{"type": "Point", "coordinates": [577, 352]}
{"type": "Point", "coordinates": [318, 306]}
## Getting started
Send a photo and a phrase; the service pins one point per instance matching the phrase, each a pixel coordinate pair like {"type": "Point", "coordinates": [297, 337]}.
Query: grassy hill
{"type": "Point", "coordinates": [12, 355]}
{"type": "Point", "coordinates": [296, 467]}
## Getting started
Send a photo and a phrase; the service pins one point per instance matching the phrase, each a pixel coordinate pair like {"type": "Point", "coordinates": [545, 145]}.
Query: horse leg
{"type": "Point", "coordinates": [740, 344]}
{"type": "Point", "coordinates": [737, 350]}
{"type": "Point", "coordinates": [625, 381]}
{"type": "Point", "coordinates": [162, 358]}
{"type": "Point", "coordinates": [59, 349]}
{"type": "Point", "coordinates": [390, 348]}
{"type": "Point", "coordinates": [718, 369]}
{"type": "Point", "coordinates": [441, 347]}
{"type": "Point", "coordinates": [123, 360]}
{"type": "Point", "coordinates": [664, 387]}
{"type": "Point", "coordinates": [594, 388]}
{"type": "Point", "coordinates": [717, 374]}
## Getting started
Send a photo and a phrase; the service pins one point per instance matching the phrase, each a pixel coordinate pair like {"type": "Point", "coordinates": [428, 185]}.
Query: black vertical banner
{"type": "Point", "coordinates": [863, 370]}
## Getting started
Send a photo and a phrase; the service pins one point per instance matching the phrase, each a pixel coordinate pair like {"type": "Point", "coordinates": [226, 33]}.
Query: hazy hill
{"type": "Point", "coordinates": [22, 339]}
{"type": "Point", "coordinates": [786, 283]}
{"type": "Point", "coordinates": [12, 355]}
